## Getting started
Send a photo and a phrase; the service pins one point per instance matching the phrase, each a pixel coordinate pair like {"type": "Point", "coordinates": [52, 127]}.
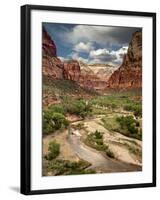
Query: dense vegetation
{"type": "Point", "coordinates": [119, 112]}
{"type": "Point", "coordinates": [54, 117]}
{"type": "Point", "coordinates": [119, 101]}
{"type": "Point", "coordinates": [129, 127]}
{"type": "Point", "coordinates": [66, 167]}
{"type": "Point", "coordinates": [53, 121]}
{"type": "Point", "coordinates": [53, 150]}
{"type": "Point", "coordinates": [126, 125]}
{"type": "Point", "coordinates": [136, 108]}
{"type": "Point", "coordinates": [79, 107]}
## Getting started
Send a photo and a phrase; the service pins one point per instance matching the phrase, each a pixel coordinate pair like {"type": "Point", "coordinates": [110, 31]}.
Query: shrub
{"type": "Point", "coordinates": [113, 105]}
{"type": "Point", "coordinates": [95, 140]}
{"type": "Point", "coordinates": [110, 123]}
{"type": "Point", "coordinates": [128, 127]}
{"type": "Point", "coordinates": [80, 126]}
{"type": "Point", "coordinates": [138, 111]}
{"type": "Point", "coordinates": [57, 109]}
{"type": "Point", "coordinates": [125, 121]}
{"type": "Point", "coordinates": [110, 153]}
{"type": "Point", "coordinates": [79, 107]}
{"type": "Point", "coordinates": [132, 129]}
{"type": "Point", "coordinates": [53, 121]}
{"type": "Point", "coordinates": [47, 122]}
{"type": "Point", "coordinates": [59, 121]}
{"type": "Point", "coordinates": [125, 125]}
{"type": "Point", "coordinates": [136, 108]}
{"type": "Point", "coordinates": [54, 150]}
{"type": "Point", "coordinates": [61, 167]}
{"type": "Point", "coordinates": [98, 135]}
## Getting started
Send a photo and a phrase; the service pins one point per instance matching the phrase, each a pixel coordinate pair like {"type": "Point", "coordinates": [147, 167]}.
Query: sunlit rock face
{"type": "Point", "coordinates": [71, 70]}
{"type": "Point", "coordinates": [97, 76]}
{"type": "Point", "coordinates": [88, 76]}
{"type": "Point", "coordinates": [129, 75]}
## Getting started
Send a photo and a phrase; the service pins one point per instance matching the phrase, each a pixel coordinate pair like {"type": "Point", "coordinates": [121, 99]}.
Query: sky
{"type": "Point", "coordinates": [90, 43]}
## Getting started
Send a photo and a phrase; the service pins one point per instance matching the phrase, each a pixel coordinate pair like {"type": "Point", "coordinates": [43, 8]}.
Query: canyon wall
{"type": "Point", "coordinates": [95, 76]}
{"type": "Point", "coordinates": [52, 67]}
{"type": "Point", "coordinates": [129, 75]}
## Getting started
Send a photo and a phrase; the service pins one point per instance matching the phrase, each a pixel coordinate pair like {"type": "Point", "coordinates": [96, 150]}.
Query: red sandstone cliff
{"type": "Point", "coordinates": [96, 76]}
{"type": "Point", "coordinates": [71, 70]}
{"type": "Point", "coordinates": [52, 66]}
{"type": "Point", "coordinates": [129, 75]}
{"type": "Point", "coordinates": [83, 75]}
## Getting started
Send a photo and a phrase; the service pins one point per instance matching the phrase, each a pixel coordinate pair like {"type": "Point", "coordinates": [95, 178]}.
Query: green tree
{"type": "Point", "coordinates": [53, 121]}
{"type": "Point", "coordinates": [54, 150]}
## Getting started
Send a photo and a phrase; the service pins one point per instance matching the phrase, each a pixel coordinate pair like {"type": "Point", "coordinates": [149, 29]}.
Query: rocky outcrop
{"type": "Point", "coordinates": [52, 66]}
{"type": "Point", "coordinates": [129, 74]}
{"type": "Point", "coordinates": [71, 70]}
{"type": "Point", "coordinates": [95, 76]}
{"type": "Point", "coordinates": [104, 73]}
{"type": "Point", "coordinates": [83, 75]}
{"type": "Point", "coordinates": [48, 46]}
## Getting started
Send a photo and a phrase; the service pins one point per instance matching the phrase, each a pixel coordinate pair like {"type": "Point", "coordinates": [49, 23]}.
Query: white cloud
{"type": "Point", "coordinates": [100, 34]}
{"type": "Point", "coordinates": [120, 52]}
{"type": "Point", "coordinates": [113, 58]}
{"type": "Point", "coordinates": [98, 52]}
{"type": "Point", "coordinates": [102, 55]}
{"type": "Point", "coordinates": [119, 55]}
{"type": "Point", "coordinates": [106, 56]}
{"type": "Point", "coordinates": [87, 33]}
{"type": "Point", "coordinates": [75, 56]}
{"type": "Point", "coordinates": [83, 47]}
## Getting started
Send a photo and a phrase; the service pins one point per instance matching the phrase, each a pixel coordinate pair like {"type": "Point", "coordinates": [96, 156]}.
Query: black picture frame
{"type": "Point", "coordinates": [26, 98]}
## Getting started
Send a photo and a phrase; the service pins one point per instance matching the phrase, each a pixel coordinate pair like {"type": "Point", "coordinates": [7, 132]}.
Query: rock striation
{"type": "Point", "coordinates": [95, 76]}
{"type": "Point", "coordinates": [83, 75]}
{"type": "Point", "coordinates": [71, 70]}
{"type": "Point", "coordinates": [52, 67]}
{"type": "Point", "coordinates": [129, 74]}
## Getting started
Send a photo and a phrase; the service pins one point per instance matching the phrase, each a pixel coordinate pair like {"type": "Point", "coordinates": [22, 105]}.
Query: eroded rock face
{"type": "Point", "coordinates": [52, 66]}
{"type": "Point", "coordinates": [106, 72]}
{"type": "Point", "coordinates": [48, 46]}
{"type": "Point", "coordinates": [96, 76]}
{"type": "Point", "coordinates": [129, 75]}
{"type": "Point", "coordinates": [71, 70]}
{"type": "Point", "coordinates": [83, 75]}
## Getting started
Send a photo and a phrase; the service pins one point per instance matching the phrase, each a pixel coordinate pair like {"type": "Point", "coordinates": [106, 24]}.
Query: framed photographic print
{"type": "Point", "coordinates": [88, 99]}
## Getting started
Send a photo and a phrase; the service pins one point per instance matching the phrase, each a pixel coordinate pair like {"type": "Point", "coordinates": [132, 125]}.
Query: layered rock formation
{"type": "Point", "coordinates": [52, 66]}
{"type": "Point", "coordinates": [89, 78]}
{"type": "Point", "coordinates": [83, 75]}
{"type": "Point", "coordinates": [96, 76]}
{"type": "Point", "coordinates": [129, 75]}
{"type": "Point", "coordinates": [48, 46]}
{"type": "Point", "coordinates": [71, 70]}
{"type": "Point", "coordinates": [104, 72]}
